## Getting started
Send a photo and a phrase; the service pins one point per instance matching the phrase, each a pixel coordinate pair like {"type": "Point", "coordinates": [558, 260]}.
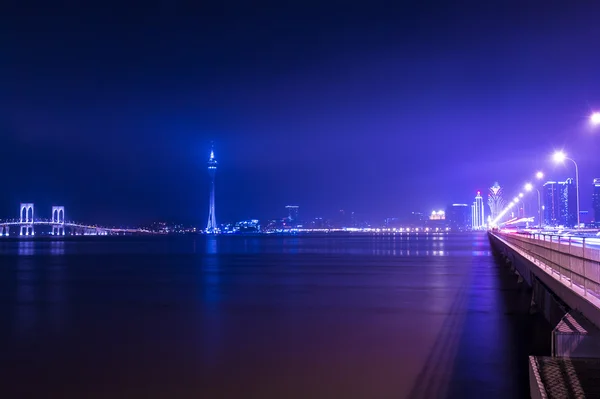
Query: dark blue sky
{"type": "Point", "coordinates": [378, 108]}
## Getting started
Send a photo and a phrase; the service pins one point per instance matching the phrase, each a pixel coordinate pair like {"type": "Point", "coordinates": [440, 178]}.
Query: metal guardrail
{"type": "Point", "coordinates": [575, 262]}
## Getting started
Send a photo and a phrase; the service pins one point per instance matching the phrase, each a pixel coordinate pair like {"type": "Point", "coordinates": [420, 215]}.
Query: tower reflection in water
{"type": "Point", "coordinates": [211, 309]}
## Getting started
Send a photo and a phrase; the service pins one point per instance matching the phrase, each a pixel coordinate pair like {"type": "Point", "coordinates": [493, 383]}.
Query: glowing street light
{"type": "Point", "coordinates": [528, 187]}
{"type": "Point", "coordinates": [559, 157]}
{"type": "Point", "coordinates": [520, 195]}
{"type": "Point", "coordinates": [595, 119]}
{"type": "Point", "coordinates": [539, 175]}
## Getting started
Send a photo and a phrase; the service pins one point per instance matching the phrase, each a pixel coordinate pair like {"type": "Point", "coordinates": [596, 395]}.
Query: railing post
{"type": "Point", "coordinates": [560, 268]}
{"type": "Point", "coordinates": [570, 267]}
{"type": "Point", "coordinates": [583, 271]}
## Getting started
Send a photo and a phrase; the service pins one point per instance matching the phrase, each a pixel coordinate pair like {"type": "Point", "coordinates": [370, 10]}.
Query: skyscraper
{"type": "Point", "coordinates": [495, 200]}
{"type": "Point", "coordinates": [596, 201]}
{"type": "Point", "coordinates": [478, 213]}
{"type": "Point", "coordinates": [568, 203]}
{"type": "Point", "coordinates": [458, 217]}
{"type": "Point", "coordinates": [560, 203]}
{"type": "Point", "coordinates": [551, 200]}
{"type": "Point", "coordinates": [211, 226]}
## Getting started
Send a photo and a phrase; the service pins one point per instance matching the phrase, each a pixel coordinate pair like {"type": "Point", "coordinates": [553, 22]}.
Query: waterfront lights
{"type": "Point", "coordinates": [539, 175]}
{"type": "Point", "coordinates": [529, 186]}
{"type": "Point", "coordinates": [595, 119]}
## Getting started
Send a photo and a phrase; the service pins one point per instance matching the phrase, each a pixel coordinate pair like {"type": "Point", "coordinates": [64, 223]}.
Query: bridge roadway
{"type": "Point", "coordinates": [564, 274]}
{"type": "Point", "coordinates": [76, 228]}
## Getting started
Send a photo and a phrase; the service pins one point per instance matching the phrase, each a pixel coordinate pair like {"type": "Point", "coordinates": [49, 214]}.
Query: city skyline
{"type": "Point", "coordinates": [291, 212]}
{"type": "Point", "coordinates": [555, 212]}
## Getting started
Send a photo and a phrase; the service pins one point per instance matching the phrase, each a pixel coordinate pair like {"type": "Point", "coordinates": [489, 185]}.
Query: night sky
{"type": "Point", "coordinates": [377, 108]}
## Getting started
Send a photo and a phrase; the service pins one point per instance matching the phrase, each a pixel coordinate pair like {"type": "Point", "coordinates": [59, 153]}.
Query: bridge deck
{"type": "Point", "coordinates": [562, 274]}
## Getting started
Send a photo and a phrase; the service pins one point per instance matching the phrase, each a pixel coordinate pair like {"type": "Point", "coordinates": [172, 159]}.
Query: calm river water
{"type": "Point", "coordinates": [264, 317]}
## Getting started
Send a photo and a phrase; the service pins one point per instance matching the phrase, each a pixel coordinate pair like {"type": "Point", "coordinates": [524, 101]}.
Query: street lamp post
{"type": "Point", "coordinates": [560, 156]}
{"type": "Point", "coordinates": [529, 187]}
{"type": "Point", "coordinates": [539, 176]}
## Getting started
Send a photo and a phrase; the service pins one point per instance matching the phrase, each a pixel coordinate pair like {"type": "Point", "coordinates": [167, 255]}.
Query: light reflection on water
{"type": "Point", "coordinates": [57, 247]}
{"type": "Point", "coordinates": [26, 247]}
{"type": "Point", "coordinates": [26, 309]}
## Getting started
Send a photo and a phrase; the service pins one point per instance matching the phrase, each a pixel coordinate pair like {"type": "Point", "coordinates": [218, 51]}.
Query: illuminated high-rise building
{"type": "Point", "coordinates": [495, 200]}
{"type": "Point", "coordinates": [551, 198]}
{"type": "Point", "coordinates": [596, 200]}
{"type": "Point", "coordinates": [458, 217]}
{"type": "Point", "coordinates": [478, 213]}
{"type": "Point", "coordinates": [568, 203]}
{"type": "Point", "coordinates": [437, 215]}
{"type": "Point", "coordinates": [560, 203]}
{"type": "Point", "coordinates": [211, 226]}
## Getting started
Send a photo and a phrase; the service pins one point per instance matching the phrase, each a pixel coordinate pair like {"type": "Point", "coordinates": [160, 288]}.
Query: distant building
{"type": "Point", "coordinates": [495, 200]}
{"type": "Point", "coordinates": [342, 219]}
{"type": "Point", "coordinates": [458, 217]}
{"type": "Point", "coordinates": [560, 203]}
{"type": "Point", "coordinates": [551, 201]}
{"type": "Point", "coordinates": [318, 223]}
{"type": "Point", "coordinates": [292, 212]}
{"type": "Point", "coordinates": [437, 215]}
{"type": "Point", "coordinates": [568, 203]}
{"type": "Point", "coordinates": [273, 225]}
{"type": "Point", "coordinates": [585, 217]}
{"type": "Point", "coordinates": [349, 219]}
{"type": "Point", "coordinates": [416, 219]}
{"type": "Point", "coordinates": [596, 200]}
{"type": "Point", "coordinates": [391, 222]}
{"type": "Point", "coordinates": [248, 226]}
{"type": "Point", "coordinates": [478, 213]}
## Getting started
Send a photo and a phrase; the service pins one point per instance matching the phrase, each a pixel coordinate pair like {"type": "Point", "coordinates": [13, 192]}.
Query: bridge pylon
{"type": "Point", "coordinates": [58, 220]}
{"type": "Point", "coordinates": [26, 219]}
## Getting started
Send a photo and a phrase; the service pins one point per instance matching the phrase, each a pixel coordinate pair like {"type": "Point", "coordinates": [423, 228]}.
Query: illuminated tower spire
{"type": "Point", "coordinates": [211, 226]}
{"type": "Point", "coordinates": [495, 200]}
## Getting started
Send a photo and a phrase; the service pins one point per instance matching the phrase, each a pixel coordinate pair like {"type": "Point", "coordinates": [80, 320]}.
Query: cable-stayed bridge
{"type": "Point", "coordinates": [26, 225]}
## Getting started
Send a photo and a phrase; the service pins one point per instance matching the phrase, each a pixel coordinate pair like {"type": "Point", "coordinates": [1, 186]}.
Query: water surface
{"type": "Point", "coordinates": [264, 317]}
